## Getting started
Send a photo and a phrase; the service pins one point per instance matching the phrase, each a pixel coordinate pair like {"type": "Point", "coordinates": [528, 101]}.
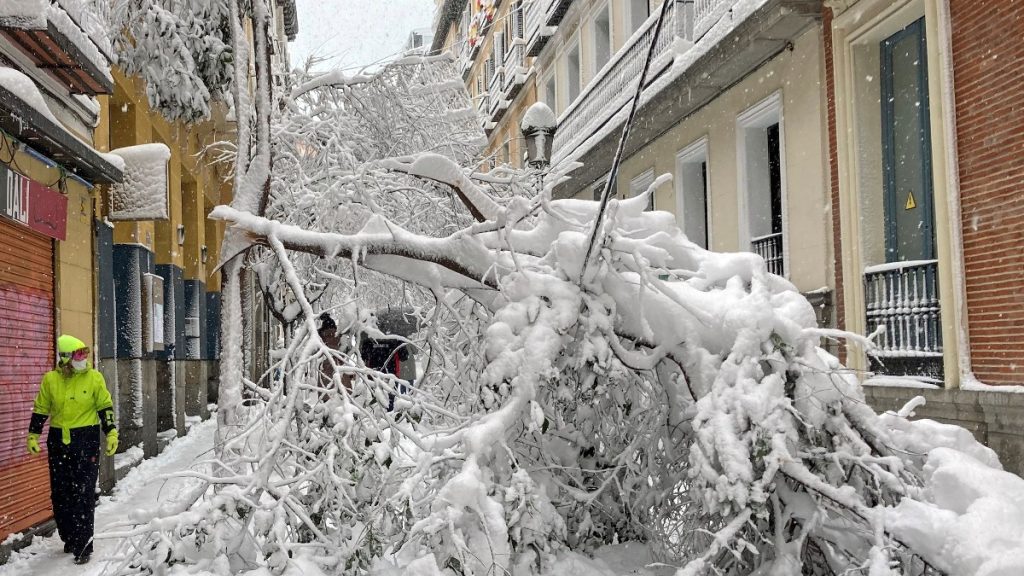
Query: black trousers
{"type": "Point", "coordinates": [73, 471]}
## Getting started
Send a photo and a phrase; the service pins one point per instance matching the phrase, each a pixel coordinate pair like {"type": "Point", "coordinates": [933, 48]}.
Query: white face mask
{"type": "Point", "coordinates": [79, 364]}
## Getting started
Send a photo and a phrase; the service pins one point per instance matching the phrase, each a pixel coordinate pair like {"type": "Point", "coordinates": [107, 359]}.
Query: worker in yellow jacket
{"type": "Point", "coordinates": [76, 400]}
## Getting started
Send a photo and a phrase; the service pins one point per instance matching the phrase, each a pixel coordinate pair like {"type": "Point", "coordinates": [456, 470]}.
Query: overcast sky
{"type": "Point", "coordinates": [353, 33]}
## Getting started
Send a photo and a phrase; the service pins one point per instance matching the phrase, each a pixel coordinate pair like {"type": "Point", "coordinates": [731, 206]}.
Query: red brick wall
{"type": "Point", "coordinates": [988, 65]}
{"type": "Point", "coordinates": [833, 171]}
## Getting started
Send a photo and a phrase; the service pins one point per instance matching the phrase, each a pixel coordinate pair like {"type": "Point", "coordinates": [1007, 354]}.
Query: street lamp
{"type": "Point", "coordinates": [538, 127]}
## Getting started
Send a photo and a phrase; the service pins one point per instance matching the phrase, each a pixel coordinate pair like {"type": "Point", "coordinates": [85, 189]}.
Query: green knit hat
{"type": "Point", "coordinates": [67, 344]}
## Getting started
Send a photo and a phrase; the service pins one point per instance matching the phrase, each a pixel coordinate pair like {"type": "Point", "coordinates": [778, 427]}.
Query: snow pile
{"type": "Point", "coordinates": [37, 14]}
{"type": "Point", "coordinates": [70, 29]}
{"type": "Point", "coordinates": [92, 16]}
{"type": "Point", "coordinates": [24, 14]}
{"type": "Point", "coordinates": [23, 87]}
{"type": "Point", "coordinates": [970, 519]}
{"type": "Point", "coordinates": [538, 116]}
{"type": "Point", "coordinates": [142, 195]}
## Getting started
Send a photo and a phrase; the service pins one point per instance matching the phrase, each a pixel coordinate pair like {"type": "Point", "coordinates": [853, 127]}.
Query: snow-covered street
{"type": "Point", "coordinates": [142, 489]}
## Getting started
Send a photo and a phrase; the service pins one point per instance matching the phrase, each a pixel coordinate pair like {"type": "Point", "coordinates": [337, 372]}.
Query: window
{"type": "Point", "coordinates": [598, 189]}
{"type": "Point", "coordinates": [884, 124]}
{"type": "Point", "coordinates": [637, 12]}
{"type": "Point", "coordinates": [640, 184]}
{"type": "Point", "coordinates": [572, 73]}
{"type": "Point", "coordinates": [906, 146]}
{"type": "Point", "coordinates": [601, 32]}
{"type": "Point", "coordinates": [549, 92]}
{"type": "Point", "coordinates": [761, 168]}
{"type": "Point", "coordinates": [692, 192]}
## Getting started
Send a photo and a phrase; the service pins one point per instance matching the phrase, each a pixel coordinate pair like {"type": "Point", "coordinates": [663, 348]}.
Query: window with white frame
{"type": "Point", "coordinates": [572, 73]}
{"type": "Point", "coordinates": [601, 34]}
{"type": "Point", "coordinates": [692, 192]}
{"type": "Point", "coordinates": [550, 94]}
{"type": "Point", "coordinates": [885, 127]}
{"type": "Point", "coordinates": [762, 185]}
{"type": "Point", "coordinates": [637, 12]}
{"type": "Point", "coordinates": [639, 184]}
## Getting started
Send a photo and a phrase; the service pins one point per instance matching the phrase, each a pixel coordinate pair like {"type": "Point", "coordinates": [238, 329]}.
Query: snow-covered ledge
{"type": "Point", "coordinates": [143, 193]}
{"type": "Point", "coordinates": [54, 35]}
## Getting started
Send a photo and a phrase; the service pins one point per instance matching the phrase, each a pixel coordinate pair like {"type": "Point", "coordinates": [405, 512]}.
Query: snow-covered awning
{"type": "Point", "coordinates": [143, 193]}
{"type": "Point", "coordinates": [54, 41]}
{"type": "Point", "coordinates": [24, 115]}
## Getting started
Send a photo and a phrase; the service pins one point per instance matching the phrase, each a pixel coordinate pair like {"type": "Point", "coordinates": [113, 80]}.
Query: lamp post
{"type": "Point", "coordinates": [538, 127]}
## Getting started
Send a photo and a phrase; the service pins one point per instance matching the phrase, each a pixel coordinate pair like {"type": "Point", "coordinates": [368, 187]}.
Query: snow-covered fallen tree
{"type": "Point", "coordinates": [657, 393]}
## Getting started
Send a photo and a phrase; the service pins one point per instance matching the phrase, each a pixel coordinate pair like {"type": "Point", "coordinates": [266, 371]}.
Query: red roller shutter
{"type": "Point", "coordinates": [26, 353]}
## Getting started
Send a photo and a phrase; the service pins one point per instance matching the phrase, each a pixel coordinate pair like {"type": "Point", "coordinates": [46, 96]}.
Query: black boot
{"type": "Point", "coordinates": [67, 548]}
{"type": "Point", "coordinates": [83, 558]}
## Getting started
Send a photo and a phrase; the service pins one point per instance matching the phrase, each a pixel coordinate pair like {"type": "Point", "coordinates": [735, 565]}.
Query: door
{"type": "Point", "coordinates": [26, 353]}
{"type": "Point", "coordinates": [906, 147]}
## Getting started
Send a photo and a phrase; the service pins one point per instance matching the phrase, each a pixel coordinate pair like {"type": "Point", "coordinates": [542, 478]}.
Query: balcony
{"type": "Point", "coordinates": [706, 13]}
{"type": "Point", "coordinates": [497, 104]}
{"type": "Point", "coordinates": [769, 247]}
{"type": "Point", "coordinates": [514, 69]}
{"type": "Point", "coordinates": [690, 71]}
{"type": "Point", "coordinates": [903, 297]}
{"type": "Point", "coordinates": [614, 85]}
{"type": "Point", "coordinates": [541, 18]}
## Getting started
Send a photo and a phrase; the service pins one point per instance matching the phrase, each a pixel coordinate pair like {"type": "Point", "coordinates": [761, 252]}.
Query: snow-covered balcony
{"type": "Point", "coordinates": [497, 103]}
{"type": "Point", "coordinates": [64, 38]}
{"type": "Point", "coordinates": [692, 66]}
{"type": "Point", "coordinates": [611, 88]}
{"type": "Point", "coordinates": [515, 69]}
{"type": "Point", "coordinates": [541, 18]}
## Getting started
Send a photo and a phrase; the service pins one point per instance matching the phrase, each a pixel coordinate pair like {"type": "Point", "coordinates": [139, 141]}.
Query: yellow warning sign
{"type": "Point", "coordinates": [911, 204]}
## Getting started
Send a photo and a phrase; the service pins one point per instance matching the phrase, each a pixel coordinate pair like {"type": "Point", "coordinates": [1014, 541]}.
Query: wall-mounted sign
{"type": "Point", "coordinates": [33, 205]}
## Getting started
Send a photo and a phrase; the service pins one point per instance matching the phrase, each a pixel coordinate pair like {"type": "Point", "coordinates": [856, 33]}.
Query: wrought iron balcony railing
{"type": "Point", "coordinates": [769, 247]}
{"type": "Point", "coordinates": [904, 297]}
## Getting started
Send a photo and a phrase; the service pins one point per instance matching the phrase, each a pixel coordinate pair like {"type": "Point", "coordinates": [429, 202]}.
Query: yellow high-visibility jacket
{"type": "Point", "coordinates": [73, 402]}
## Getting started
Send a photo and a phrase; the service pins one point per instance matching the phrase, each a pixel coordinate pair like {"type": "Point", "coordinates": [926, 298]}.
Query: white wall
{"type": "Point", "coordinates": [799, 76]}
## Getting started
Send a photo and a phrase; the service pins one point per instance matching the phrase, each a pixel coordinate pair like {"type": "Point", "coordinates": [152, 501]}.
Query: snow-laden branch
{"type": "Point", "coordinates": [457, 261]}
{"type": "Point", "coordinates": [441, 169]}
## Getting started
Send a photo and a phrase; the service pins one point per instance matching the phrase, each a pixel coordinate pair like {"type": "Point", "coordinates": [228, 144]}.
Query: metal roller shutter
{"type": "Point", "coordinates": [26, 353]}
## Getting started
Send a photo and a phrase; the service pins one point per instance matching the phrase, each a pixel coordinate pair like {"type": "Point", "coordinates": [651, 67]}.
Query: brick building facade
{"type": "Point", "coordinates": [970, 91]}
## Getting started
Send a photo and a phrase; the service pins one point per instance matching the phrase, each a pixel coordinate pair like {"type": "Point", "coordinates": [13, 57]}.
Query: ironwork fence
{"type": "Point", "coordinates": [904, 298]}
{"type": "Point", "coordinates": [769, 247]}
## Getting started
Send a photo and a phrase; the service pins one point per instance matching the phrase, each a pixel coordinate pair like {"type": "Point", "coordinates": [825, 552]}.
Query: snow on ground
{"type": "Point", "coordinates": [142, 488]}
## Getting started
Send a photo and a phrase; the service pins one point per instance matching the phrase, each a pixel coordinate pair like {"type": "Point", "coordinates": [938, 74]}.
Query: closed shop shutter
{"type": "Point", "coordinates": [26, 353]}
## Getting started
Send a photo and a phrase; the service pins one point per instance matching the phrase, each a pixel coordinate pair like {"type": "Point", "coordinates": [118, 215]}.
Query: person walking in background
{"type": "Point", "coordinates": [76, 400]}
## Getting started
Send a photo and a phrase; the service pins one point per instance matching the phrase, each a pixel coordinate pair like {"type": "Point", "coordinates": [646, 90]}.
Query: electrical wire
{"type": "Point", "coordinates": [617, 160]}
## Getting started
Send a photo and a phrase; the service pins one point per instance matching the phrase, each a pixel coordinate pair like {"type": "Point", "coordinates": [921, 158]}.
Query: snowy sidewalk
{"type": "Point", "coordinates": [138, 489]}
